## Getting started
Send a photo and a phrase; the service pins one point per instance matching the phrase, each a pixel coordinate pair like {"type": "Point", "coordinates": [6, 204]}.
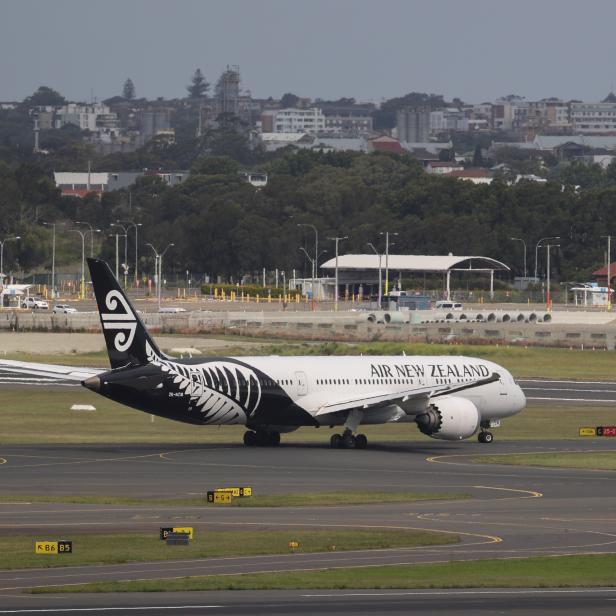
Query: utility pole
{"type": "Point", "coordinates": [337, 239]}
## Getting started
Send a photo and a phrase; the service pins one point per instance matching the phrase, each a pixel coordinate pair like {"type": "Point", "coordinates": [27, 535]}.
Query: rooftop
{"type": "Point", "coordinates": [415, 263]}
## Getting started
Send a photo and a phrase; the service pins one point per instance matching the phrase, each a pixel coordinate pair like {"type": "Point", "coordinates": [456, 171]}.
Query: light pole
{"type": "Point", "coordinates": [518, 239]}
{"type": "Point", "coordinates": [53, 257]}
{"type": "Point", "coordinates": [83, 262]}
{"type": "Point", "coordinates": [548, 293]}
{"type": "Point", "coordinates": [132, 223]}
{"type": "Point", "coordinates": [337, 239]}
{"type": "Point", "coordinates": [125, 229]}
{"type": "Point", "coordinates": [6, 239]}
{"type": "Point", "coordinates": [159, 267]}
{"type": "Point", "coordinates": [609, 271]}
{"type": "Point", "coordinates": [312, 263]}
{"type": "Point", "coordinates": [379, 255]}
{"type": "Point", "coordinates": [117, 253]}
{"type": "Point", "coordinates": [543, 239]}
{"type": "Point", "coordinates": [316, 248]}
{"type": "Point", "coordinates": [387, 234]}
{"type": "Point", "coordinates": [92, 232]}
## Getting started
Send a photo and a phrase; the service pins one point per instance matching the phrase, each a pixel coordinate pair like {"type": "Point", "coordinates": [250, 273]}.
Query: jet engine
{"type": "Point", "coordinates": [450, 418]}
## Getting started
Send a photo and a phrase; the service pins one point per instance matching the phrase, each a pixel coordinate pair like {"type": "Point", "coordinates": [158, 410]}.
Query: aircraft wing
{"type": "Point", "coordinates": [376, 400]}
{"type": "Point", "coordinates": [47, 372]}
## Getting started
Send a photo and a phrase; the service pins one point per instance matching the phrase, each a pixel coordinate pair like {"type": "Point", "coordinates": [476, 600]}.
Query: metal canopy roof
{"type": "Point", "coordinates": [416, 263]}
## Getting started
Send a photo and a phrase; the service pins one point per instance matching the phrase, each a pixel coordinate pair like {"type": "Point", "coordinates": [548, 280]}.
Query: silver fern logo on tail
{"type": "Point", "coordinates": [125, 322]}
{"type": "Point", "coordinates": [222, 391]}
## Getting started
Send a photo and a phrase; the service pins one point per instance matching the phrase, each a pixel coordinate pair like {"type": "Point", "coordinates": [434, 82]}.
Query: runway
{"type": "Point", "coordinates": [511, 602]}
{"type": "Point", "coordinates": [572, 392]}
{"type": "Point", "coordinates": [514, 512]}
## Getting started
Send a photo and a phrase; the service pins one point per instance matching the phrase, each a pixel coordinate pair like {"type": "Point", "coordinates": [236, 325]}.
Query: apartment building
{"type": "Point", "coordinates": [291, 120]}
{"type": "Point", "coordinates": [593, 118]}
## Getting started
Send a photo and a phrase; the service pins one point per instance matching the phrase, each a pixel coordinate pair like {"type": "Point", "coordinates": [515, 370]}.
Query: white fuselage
{"type": "Point", "coordinates": [311, 382]}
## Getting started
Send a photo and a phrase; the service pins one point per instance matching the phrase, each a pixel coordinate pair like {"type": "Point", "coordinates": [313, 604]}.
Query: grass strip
{"type": "Point", "coordinates": [540, 572]}
{"type": "Point", "coordinates": [605, 460]}
{"type": "Point", "coordinates": [18, 551]}
{"type": "Point", "coordinates": [295, 499]}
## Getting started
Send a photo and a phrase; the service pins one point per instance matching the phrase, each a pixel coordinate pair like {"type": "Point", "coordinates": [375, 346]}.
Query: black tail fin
{"type": "Point", "coordinates": [125, 334]}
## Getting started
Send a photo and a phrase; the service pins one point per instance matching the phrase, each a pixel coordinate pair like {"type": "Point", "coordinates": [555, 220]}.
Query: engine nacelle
{"type": "Point", "coordinates": [450, 418]}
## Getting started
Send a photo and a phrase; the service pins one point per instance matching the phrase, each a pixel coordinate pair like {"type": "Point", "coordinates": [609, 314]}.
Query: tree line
{"type": "Point", "coordinates": [223, 226]}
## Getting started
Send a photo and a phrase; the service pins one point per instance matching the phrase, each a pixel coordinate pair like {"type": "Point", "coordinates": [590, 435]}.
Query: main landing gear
{"type": "Point", "coordinates": [261, 438]}
{"type": "Point", "coordinates": [348, 441]}
{"type": "Point", "coordinates": [485, 437]}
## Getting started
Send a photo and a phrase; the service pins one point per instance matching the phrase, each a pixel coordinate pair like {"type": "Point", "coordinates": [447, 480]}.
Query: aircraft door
{"type": "Point", "coordinates": [302, 384]}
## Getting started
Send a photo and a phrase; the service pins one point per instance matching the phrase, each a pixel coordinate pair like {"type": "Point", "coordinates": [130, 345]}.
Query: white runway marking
{"type": "Point", "coordinates": [440, 593]}
{"type": "Point", "coordinates": [571, 399]}
{"type": "Point", "coordinates": [144, 608]}
{"type": "Point", "coordinates": [570, 389]}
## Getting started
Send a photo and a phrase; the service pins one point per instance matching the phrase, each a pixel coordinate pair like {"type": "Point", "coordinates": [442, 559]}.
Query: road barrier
{"type": "Point", "coordinates": [592, 330]}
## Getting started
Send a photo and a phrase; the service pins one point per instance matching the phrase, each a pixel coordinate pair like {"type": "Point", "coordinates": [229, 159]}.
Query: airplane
{"type": "Point", "coordinates": [448, 398]}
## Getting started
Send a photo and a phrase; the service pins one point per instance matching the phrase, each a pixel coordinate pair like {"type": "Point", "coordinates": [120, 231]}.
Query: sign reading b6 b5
{"type": "Point", "coordinates": [53, 547]}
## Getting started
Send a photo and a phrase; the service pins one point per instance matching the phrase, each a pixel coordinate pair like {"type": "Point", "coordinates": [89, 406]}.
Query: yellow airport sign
{"type": "Point", "coordinates": [53, 547]}
{"type": "Point", "coordinates": [164, 532]}
{"type": "Point", "coordinates": [236, 492]}
{"type": "Point", "coordinates": [294, 545]}
{"type": "Point", "coordinates": [219, 498]}
{"type": "Point", "coordinates": [588, 432]}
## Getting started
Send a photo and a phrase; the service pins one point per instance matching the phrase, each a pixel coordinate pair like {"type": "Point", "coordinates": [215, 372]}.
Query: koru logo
{"type": "Point", "coordinates": [125, 321]}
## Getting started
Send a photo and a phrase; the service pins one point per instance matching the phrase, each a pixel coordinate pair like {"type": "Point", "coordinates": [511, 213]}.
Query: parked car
{"type": "Point", "coordinates": [35, 303]}
{"type": "Point", "coordinates": [63, 309]}
{"type": "Point", "coordinates": [172, 309]}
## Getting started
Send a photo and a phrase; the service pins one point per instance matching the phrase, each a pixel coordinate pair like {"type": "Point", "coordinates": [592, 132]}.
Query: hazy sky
{"type": "Point", "coordinates": [369, 49]}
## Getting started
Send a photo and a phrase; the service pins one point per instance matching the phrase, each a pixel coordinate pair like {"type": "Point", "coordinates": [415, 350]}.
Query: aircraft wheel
{"type": "Point", "coordinates": [361, 441]}
{"type": "Point", "coordinates": [335, 442]}
{"type": "Point", "coordinates": [348, 441]}
{"type": "Point", "coordinates": [250, 438]}
{"type": "Point", "coordinates": [485, 437]}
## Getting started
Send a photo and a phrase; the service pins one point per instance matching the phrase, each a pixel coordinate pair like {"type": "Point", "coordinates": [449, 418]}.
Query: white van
{"type": "Point", "coordinates": [448, 305]}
